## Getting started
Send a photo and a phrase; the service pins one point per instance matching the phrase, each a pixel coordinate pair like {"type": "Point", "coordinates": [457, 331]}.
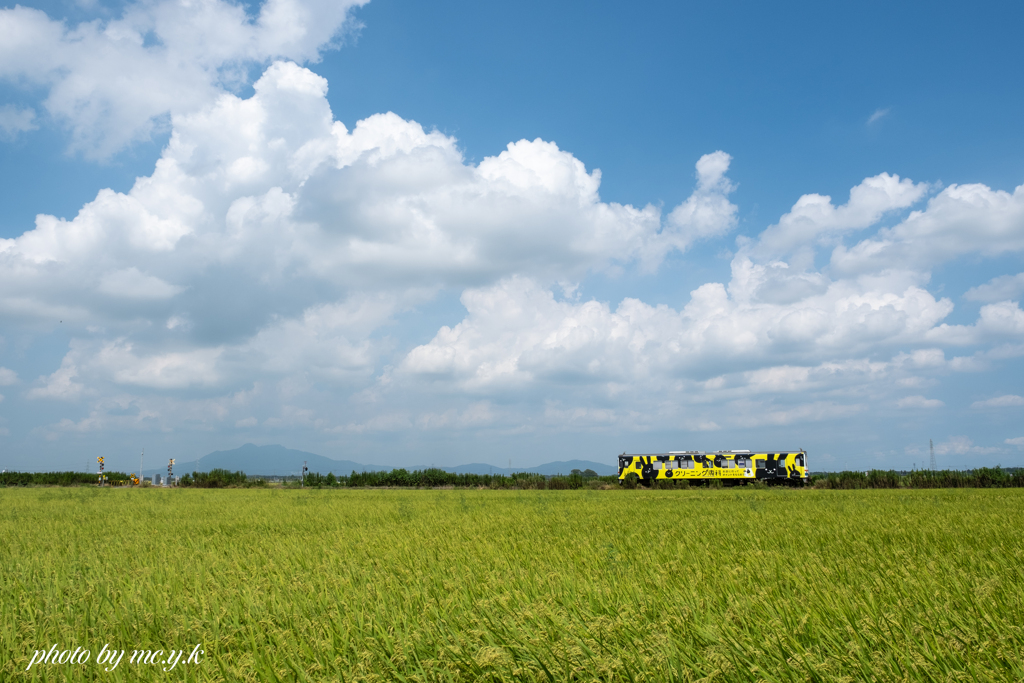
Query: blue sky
{"type": "Point", "coordinates": [414, 287]}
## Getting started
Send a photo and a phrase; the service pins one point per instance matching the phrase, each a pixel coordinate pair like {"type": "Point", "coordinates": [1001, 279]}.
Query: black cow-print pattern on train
{"type": "Point", "coordinates": [733, 467]}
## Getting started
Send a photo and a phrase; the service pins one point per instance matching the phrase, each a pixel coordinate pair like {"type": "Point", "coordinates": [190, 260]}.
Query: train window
{"type": "Point", "coordinates": [727, 464]}
{"type": "Point", "coordinates": [742, 461]}
{"type": "Point", "coordinates": [686, 464]}
{"type": "Point", "coordinates": [671, 465]}
{"type": "Point", "coordinates": [800, 460]}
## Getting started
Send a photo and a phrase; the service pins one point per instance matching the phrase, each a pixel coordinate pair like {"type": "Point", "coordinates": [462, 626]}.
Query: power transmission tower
{"type": "Point", "coordinates": [931, 449]}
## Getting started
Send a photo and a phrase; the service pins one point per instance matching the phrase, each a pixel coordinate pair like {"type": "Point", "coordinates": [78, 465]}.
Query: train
{"type": "Point", "coordinates": [729, 467]}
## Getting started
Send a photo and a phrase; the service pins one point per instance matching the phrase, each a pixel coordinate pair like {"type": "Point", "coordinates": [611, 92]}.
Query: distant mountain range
{"type": "Point", "coordinates": [280, 461]}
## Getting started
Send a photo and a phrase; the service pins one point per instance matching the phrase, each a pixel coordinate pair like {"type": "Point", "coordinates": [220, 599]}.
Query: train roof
{"type": "Point", "coordinates": [736, 452]}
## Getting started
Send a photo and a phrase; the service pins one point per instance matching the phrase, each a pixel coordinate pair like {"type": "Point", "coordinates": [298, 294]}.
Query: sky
{"type": "Point", "coordinates": [404, 232]}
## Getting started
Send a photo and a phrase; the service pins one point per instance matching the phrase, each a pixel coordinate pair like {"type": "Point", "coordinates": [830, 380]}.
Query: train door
{"type": "Point", "coordinates": [780, 466]}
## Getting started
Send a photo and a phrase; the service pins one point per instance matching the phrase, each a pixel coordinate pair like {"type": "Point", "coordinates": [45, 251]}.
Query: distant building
{"type": "Point", "coordinates": [156, 480]}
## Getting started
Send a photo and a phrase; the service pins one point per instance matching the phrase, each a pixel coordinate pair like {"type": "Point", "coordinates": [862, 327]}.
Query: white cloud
{"type": "Point", "coordinates": [706, 214]}
{"type": "Point", "coordinates": [962, 445]}
{"type": "Point", "coordinates": [919, 402]}
{"type": "Point", "coordinates": [517, 332]}
{"type": "Point", "coordinates": [16, 120]}
{"type": "Point", "coordinates": [1018, 441]}
{"type": "Point", "coordinates": [110, 79]}
{"type": "Point", "coordinates": [1002, 288]}
{"type": "Point", "coordinates": [132, 284]}
{"type": "Point", "coordinates": [878, 115]}
{"type": "Point", "coordinates": [1002, 320]}
{"type": "Point", "coordinates": [61, 384]}
{"type": "Point", "coordinates": [960, 220]}
{"type": "Point", "coordinates": [272, 244]}
{"type": "Point", "coordinates": [7, 377]}
{"type": "Point", "coordinates": [1006, 401]}
{"type": "Point", "coordinates": [258, 277]}
{"type": "Point", "coordinates": [815, 221]}
{"type": "Point", "coordinates": [118, 361]}
{"type": "Point", "coordinates": [279, 209]}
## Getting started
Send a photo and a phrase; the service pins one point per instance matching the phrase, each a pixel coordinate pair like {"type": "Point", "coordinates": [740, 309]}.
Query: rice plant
{"type": "Point", "coordinates": [535, 585]}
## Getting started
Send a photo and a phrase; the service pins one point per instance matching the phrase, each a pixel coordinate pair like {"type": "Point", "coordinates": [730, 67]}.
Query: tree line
{"type": "Point", "coordinates": [59, 478]}
{"type": "Point", "coordinates": [220, 479]}
{"type": "Point", "coordinates": [428, 478]}
{"type": "Point", "coordinates": [985, 477]}
{"type": "Point", "coordinates": [435, 477]}
{"type": "Point", "coordinates": [981, 478]}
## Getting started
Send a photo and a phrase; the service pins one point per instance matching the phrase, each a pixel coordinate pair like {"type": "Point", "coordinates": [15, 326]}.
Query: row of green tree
{"type": "Point", "coordinates": [220, 479]}
{"type": "Point", "coordinates": [59, 478]}
{"type": "Point", "coordinates": [984, 478]}
{"type": "Point", "coordinates": [435, 477]}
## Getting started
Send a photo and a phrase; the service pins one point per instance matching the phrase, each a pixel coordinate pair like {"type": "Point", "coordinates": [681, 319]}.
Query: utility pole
{"type": "Point", "coordinates": [142, 476]}
{"type": "Point", "coordinates": [931, 449]}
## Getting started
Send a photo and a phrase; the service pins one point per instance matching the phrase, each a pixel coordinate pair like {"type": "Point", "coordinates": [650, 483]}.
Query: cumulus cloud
{"type": "Point", "coordinates": [706, 214]}
{"type": "Point", "coordinates": [256, 279]}
{"type": "Point", "coordinates": [637, 366]}
{"type": "Point", "coordinates": [261, 198]}
{"type": "Point", "coordinates": [132, 284]}
{"type": "Point", "coordinates": [962, 445]}
{"type": "Point", "coordinates": [1002, 320]}
{"type": "Point", "coordinates": [7, 377]}
{"type": "Point", "coordinates": [960, 220]}
{"type": "Point", "coordinates": [271, 239]}
{"type": "Point", "coordinates": [1009, 400]}
{"type": "Point", "coordinates": [61, 383]}
{"type": "Point", "coordinates": [1002, 288]}
{"type": "Point", "coordinates": [109, 80]}
{"type": "Point", "coordinates": [16, 120]}
{"type": "Point", "coordinates": [919, 402]}
{"type": "Point", "coordinates": [814, 220]}
{"type": "Point", "coordinates": [516, 331]}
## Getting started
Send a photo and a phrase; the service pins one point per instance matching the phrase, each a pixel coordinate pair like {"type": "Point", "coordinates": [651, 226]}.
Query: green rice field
{"type": "Point", "coordinates": [481, 585]}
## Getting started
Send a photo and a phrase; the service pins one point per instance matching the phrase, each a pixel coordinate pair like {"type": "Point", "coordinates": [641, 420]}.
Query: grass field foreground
{"type": "Point", "coordinates": [715, 585]}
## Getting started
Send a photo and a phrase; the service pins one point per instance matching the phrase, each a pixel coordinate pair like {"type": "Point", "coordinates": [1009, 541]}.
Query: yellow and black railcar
{"type": "Point", "coordinates": [729, 467]}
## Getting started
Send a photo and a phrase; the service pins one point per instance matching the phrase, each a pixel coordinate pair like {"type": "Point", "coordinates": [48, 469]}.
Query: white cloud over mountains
{"type": "Point", "coordinates": [255, 280]}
